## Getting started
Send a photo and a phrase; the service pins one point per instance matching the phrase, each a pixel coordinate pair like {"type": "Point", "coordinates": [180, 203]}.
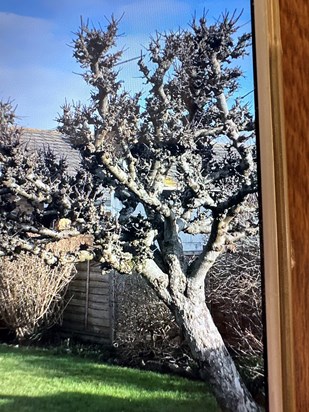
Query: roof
{"type": "Point", "coordinates": [37, 139]}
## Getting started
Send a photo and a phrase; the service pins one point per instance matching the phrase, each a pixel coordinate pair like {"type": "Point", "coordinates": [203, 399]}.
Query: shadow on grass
{"type": "Point", "coordinates": [79, 370]}
{"type": "Point", "coordinates": [76, 402]}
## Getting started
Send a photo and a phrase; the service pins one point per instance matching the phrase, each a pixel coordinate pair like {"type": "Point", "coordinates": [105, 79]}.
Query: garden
{"type": "Point", "coordinates": [180, 163]}
{"type": "Point", "coordinates": [45, 380]}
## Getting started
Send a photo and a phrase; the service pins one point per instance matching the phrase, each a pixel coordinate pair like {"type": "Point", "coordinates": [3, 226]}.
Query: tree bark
{"type": "Point", "coordinates": [208, 349]}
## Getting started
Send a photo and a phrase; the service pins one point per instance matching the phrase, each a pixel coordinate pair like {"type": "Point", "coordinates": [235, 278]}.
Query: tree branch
{"type": "Point", "coordinates": [138, 190]}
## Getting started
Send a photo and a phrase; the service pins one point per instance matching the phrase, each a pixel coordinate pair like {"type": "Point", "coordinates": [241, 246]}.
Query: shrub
{"type": "Point", "coordinates": [145, 330]}
{"type": "Point", "coordinates": [235, 298]}
{"type": "Point", "coordinates": [31, 293]}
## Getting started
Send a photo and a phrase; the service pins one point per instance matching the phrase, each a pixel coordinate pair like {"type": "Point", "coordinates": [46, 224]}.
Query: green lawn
{"type": "Point", "coordinates": [40, 381]}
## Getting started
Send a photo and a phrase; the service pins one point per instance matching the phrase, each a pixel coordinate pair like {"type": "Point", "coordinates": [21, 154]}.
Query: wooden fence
{"type": "Point", "coordinates": [89, 314]}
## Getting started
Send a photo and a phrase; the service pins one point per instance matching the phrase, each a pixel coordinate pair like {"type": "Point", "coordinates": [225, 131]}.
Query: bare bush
{"type": "Point", "coordinates": [235, 297]}
{"type": "Point", "coordinates": [31, 293]}
{"type": "Point", "coordinates": [146, 333]}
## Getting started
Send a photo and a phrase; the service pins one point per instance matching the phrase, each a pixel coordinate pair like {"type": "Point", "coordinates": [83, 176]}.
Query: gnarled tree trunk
{"type": "Point", "coordinates": [208, 349]}
{"type": "Point", "coordinates": [186, 299]}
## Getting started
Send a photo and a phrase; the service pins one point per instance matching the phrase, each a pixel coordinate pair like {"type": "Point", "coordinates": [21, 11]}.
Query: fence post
{"type": "Point", "coordinates": [87, 294]}
{"type": "Point", "coordinates": [111, 282]}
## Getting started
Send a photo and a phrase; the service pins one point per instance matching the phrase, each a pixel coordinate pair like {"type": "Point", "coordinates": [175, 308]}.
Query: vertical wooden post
{"type": "Point", "coordinates": [87, 294]}
{"type": "Point", "coordinates": [111, 278]}
{"type": "Point", "coordinates": [276, 236]}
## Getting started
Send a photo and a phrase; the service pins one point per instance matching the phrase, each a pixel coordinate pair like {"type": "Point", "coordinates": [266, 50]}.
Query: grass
{"type": "Point", "coordinates": [39, 380]}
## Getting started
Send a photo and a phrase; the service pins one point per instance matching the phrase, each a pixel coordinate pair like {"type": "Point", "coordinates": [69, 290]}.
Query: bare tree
{"type": "Point", "coordinates": [40, 203]}
{"type": "Point", "coordinates": [188, 129]}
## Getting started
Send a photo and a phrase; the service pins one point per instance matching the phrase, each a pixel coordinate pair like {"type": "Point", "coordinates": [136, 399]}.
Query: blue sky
{"type": "Point", "coordinates": [36, 65]}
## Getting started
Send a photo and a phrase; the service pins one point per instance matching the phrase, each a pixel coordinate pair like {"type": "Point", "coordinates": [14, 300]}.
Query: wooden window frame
{"type": "Point", "coordinates": [275, 217]}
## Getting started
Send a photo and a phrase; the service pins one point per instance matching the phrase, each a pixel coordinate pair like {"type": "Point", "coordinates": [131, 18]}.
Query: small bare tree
{"type": "Point", "coordinates": [31, 293]}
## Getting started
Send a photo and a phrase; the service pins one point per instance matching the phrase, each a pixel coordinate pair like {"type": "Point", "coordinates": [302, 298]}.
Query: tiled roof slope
{"type": "Point", "coordinates": [36, 139]}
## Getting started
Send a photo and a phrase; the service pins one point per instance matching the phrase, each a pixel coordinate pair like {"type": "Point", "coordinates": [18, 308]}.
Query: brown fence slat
{"type": "Point", "coordinates": [98, 277]}
{"type": "Point", "coordinates": [99, 305]}
{"type": "Point", "coordinates": [80, 286]}
{"type": "Point", "coordinates": [98, 298]}
{"type": "Point", "coordinates": [103, 312]}
{"type": "Point", "coordinates": [97, 315]}
{"type": "Point", "coordinates": [76, 302]}
{"type": "Point", "coordinates": [77, 326]}
{"type": "Point", "coordinates": [96, 273]}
